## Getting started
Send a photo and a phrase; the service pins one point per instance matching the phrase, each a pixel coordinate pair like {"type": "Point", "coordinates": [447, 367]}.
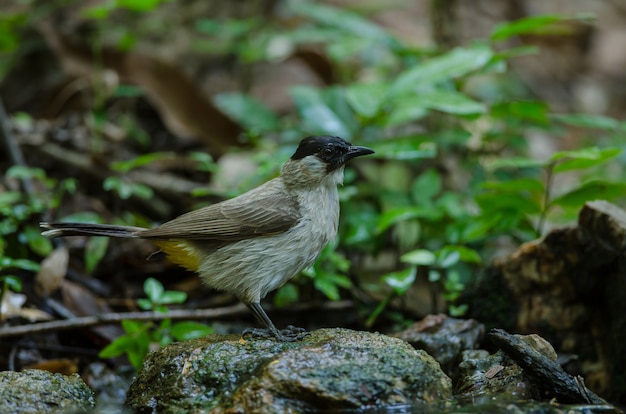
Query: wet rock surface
{"type": "Point", "coordinates": [37, 391]}
{"type": "Point", "coordinates": [444, 338]}
{"type": "Point", "coordinates": [331, 369]}
{"type": "Point", "coordinates": [483, 377]}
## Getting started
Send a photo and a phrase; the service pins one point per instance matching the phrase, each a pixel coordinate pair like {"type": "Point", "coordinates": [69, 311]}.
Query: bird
{"type": "Point", "coordinates": [254, 243]}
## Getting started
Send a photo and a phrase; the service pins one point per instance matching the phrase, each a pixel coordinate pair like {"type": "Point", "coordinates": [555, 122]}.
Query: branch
{"type": "Point", "coordinates": [109, 318]}
{"type": "Point", "coordinates": [179, 314]}
{"type": "Point", "coordinates": [546, 373]}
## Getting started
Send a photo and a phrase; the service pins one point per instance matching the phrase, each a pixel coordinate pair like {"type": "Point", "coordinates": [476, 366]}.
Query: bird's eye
{"type": "Point", "coordinates": [326, 152]}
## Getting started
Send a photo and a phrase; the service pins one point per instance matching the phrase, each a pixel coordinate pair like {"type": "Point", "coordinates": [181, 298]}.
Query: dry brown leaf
{"type": "Point", "coordinates": [57, 366]}
{"type": "Point", "coordinates": [184, 109]}
{"type": "Point", "coordinates": [52, 272]}
{"type": "Point", "coordinates": [12, 306]}
{"type": "Point", "coordinates": [82, 302]}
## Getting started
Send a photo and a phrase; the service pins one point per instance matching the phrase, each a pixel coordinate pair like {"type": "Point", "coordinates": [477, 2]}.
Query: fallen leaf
{"type": "Point", "coordinates": [52, 272]}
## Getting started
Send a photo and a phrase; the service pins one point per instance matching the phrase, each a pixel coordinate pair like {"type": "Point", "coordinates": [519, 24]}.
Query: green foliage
{"type": "Point", "coordinates": [452, 173]}
{"type": "Point", "coordinates": [21, 242]}
{"type": "Point", "coordinates": [537, 25]}
{"type": "Point", "coordinates": [158, 296]}
{"type": "Point", "coordinates": [140, 337]}
{"type": "Point", "coordinates": [126, 189]}
{"type": "Point", "coordinates": [8, 282]}
{"type": "Point", "coordinates": [436, 225]}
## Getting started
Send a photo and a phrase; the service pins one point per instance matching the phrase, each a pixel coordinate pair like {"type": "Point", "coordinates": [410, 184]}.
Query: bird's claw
{"type": "Point", "coordinates": [289, 334]}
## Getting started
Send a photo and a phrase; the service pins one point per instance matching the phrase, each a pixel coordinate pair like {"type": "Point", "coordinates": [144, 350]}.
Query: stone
{"type": "Point", "coordinates": [330, 369]}
{"type": "Point", "coordinates": [38, 391]}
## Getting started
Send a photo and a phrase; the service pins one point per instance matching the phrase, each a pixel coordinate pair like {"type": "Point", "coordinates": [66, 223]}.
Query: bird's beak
{"type": "Point", "coordinates": [356, 151]}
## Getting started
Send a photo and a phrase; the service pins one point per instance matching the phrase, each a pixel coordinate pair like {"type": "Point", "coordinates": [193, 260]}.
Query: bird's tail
{"type": "Point", "coordinates": [88, 229]}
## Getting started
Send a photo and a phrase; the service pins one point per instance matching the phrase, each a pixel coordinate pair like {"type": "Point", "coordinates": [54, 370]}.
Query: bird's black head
{"type": "Point", "coordinates": [332, 151]}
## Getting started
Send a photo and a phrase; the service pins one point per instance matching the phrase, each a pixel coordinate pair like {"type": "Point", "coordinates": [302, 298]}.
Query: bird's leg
{"type": "Point", "coordinates": [290, 334]}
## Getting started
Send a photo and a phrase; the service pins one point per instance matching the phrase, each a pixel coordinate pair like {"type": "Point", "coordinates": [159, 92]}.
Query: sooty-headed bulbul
{"type": "Point", "coordinates": [254, 243]}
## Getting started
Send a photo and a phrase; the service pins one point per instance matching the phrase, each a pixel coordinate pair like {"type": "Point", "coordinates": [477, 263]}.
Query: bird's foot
{"type": "Point", "coordinates": [289, 334]}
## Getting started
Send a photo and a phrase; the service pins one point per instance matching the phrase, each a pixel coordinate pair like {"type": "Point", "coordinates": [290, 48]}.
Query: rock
{"type": "Point", "coordinates": [481, 379]}
{"type": "Point", "coordinates": [330, 369]}
{"type": "Point", "coordinates": [444, 338]}
{"type": "Point", "coordinates": [570, 288]}
{"type": "Point", "coordinates": [37, 391]}
{"type": "Point", "coordinates": [523, 377]}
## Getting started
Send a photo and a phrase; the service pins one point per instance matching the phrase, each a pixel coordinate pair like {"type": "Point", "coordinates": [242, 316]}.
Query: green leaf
{"type": "Point", "coordinates": [153, 289]}
{"type": "Point", "coordinates": [426, 187]}
{"type": "Point", "coordinates": [36, 242]}
{"type": "Point", "coordinates": [515, 186]}
{"type": "Point", "coordinates": [204, 161]}
{"type": "Point", "coordinates": [490, 202]}
{"type": "Point", "coordinates": [183, 331]}
{"type": "Point", "coordinates": [286, 295]}
{"type": "Point", "coordinates": [420, 257]}
{"type": "Point", "coordinates": [458, 311]}
{"type": "Point", "coordinates": [139, 5]}
{"type": "Point", "coordinates": [12, 282]}
{"type": "Point", "coordinates": [591, 190]}
{"type": "Point", "coordinates": [138, 353]}
{"type": "Point", "coordinates": [117, 347]}
{"type": "Point", "coordinates": [24, 264]}
{"type": "Point", "coordinates": [142, 191]}
{"type": "Point", "coordinates": [399, 214]}
{"type": "Point", "coordinates": [83, 217]}
{"type": "Point", "coordinates": [316, 114]}
{"type": "Point", "coordinates": [140, 161]}
{"type": "Point", "coordinates": [173, 296]}
{"type": "Point", "coordinates": [95, 249]}
{"type": "Point", "coordinates": [515, 162]}
{"type": "Point", "coordinates": [589, 121]}
{"type": "Point", "coordinates": [327, 287]}
{"type": "Point", "coordinates": [128, 91]}
{"type": "Point", "coordinates": [23, 172]}
{"type": "Point", "coordinates": [123, 189]}
{"type": "Point", "coordinates": [451, 204]}
{"type": "Point", "coordinates": [401, 281]}
{"type": "Point", "coordinates": [405, 148]}
{"type": "Point", "coordinates": [479, 227]}
{"type": "Point", "coordinates": [528, 25]}
{"type": "Point", "coordinates": [464, 254]}
{"type": "Point", "coordinates": [456, 63]}
{"type": "Point", "coordinates": [447, 258]}
{"type": "Point", "coordinates": [403, 111]}
{"type": "Point", "coordinates": [134, 327]}
{"type": "Point", "coordinates": [341, 19]}
{"type": "Point", "coordinates": [8, 198]}
{"type": "Point", "coordinates": [144, 304]}
{"type": "Point", "coordinates": [328, 283]}
{"type": "Point", "coordinates": [99, 12]}
{"type": "Point", "coordinates": [434, 275]}
{"type": "Point", "coordinates": [516, 51]}
{"type": "Point", "coordinates": [533, 111]}
{"type": "Point", "coordinates": [583, 158]}
{"type": "Point", "coordinates": [449, 102]}
{"type": "Point", "coordinates": [247, 111]}
{"type": "Point", "coordinates": [366, 98]}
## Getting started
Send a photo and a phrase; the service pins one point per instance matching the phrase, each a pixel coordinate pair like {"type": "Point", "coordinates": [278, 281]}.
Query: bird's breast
{"type": "Point", "coordinates": [320, 213]}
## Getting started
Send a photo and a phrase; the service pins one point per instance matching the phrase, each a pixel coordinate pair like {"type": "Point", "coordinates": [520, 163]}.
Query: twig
{"type": "Point", "coordinates": [178, 314]}
{"type": "Point", "coordinates": [108, 318]}
{"type": "Point", "coordinates": [13, 150]}
{"type": "Point", "coordinates": [546, 373]}
{"type": "Point", "coordinates": [78, 160]}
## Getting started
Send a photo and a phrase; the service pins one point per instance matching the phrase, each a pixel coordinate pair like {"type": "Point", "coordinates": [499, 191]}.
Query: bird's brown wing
{"type": "Point", "coordinates": [268, 209]}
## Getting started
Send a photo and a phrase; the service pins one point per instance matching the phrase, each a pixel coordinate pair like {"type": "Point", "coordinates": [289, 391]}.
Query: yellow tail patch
{"type": "Point", "coordinates": [180, 252]}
